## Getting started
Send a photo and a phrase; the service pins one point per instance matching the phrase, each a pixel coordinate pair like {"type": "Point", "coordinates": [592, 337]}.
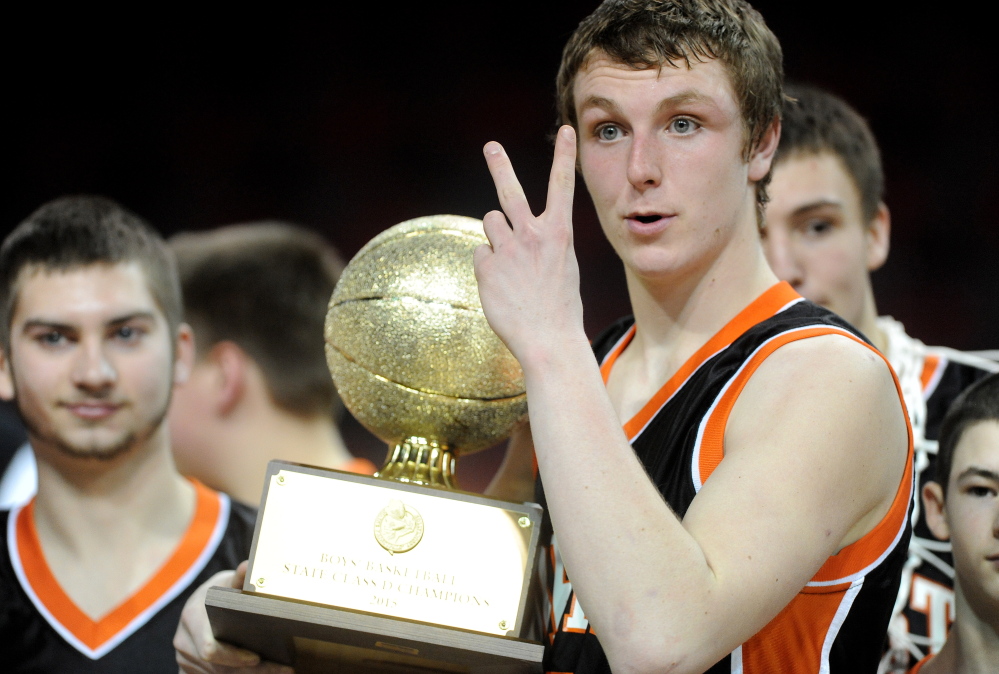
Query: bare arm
{"type": "Point", "coordinates": [514, 481]}
{"type": "Point", "coordinates": [659, 592]}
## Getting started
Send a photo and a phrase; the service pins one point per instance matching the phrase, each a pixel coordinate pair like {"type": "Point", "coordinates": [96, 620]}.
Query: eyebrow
{"type": "Point", "coordinates": [682, 98]}
{"type": "Point", "coordinates": [599, 102]}
{"type": "Point", "coordinates": [819, 203]}
{"type": "Point", "coordinates": [35, 323]}
{"type": "Point", "coordinates": [975, 471]}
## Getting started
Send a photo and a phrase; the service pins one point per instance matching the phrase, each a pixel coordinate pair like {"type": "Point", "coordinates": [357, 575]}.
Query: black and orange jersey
{"type": "Point", "coordinates": [838, 621]}
{"type": "Point", "coordinates": [42, 630]}
{"type": "Point", "coordinates": [931, 378]}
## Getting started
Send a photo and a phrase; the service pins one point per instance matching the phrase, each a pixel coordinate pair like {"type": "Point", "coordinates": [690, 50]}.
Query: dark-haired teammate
{"type": "Point", "coordinates": [95, 569]}
{"type": "Point", "coordinates": [256, 297]}
{"type": "Point", "coordinates": [962, 505]}
{"type": "Point", "coordinates": [827, 229]}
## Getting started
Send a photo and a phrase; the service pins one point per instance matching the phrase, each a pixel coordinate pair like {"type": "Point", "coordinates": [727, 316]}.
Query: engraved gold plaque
{"type": "Point", "coordinates": [405, 551]}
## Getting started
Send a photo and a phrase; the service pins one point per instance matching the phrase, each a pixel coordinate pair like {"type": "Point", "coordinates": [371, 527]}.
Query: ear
{"type": "Point", "coordinates": [936, 510]}
{"type": "Point", "coordinates": [231, 363]}
{"type": "Point", "coordinates": [6, 377]}
{"type": "Point", "coordinates": [762, 156]}
{"type": "Point", "coordinates": [878, 235]}
{"type": "Point", "coordinates": [184, 356]}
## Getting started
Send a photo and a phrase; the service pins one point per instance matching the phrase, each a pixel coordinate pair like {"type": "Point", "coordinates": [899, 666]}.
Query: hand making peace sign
{"type": "Point", "coordinates": [528, 277]}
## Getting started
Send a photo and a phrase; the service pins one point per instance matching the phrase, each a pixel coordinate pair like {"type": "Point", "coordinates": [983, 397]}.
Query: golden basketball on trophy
{"type": "Point", "coordinates": [411, 352]}
{"type": "Point", "coordinates": [401, 571]}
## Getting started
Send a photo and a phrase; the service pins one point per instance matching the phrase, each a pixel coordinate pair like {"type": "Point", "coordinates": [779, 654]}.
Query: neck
{"type": "Point", "coordinates": [678, 314]}
{"type": "Point", "coordinates": [972, 645]}
{"type": "Point", "coordinates": [273, 433]}
{"type": "Point", "coordinates": [88, 504]}
{"type": "Point", "coordinates": [867, 321]}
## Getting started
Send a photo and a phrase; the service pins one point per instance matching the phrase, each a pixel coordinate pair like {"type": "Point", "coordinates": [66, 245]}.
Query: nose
{"type": "Point", "coordinates": [644, 162]}
{"type": "Point", "coordinates": [779, 249]}
{"type": "Point", "coordinates": [93, 370]}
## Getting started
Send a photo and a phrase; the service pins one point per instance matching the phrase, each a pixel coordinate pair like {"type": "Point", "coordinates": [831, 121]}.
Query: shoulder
{"type": "Point", "coordinates": [821, 359]}
{"type": "Point", "coordinates": [829, 388]}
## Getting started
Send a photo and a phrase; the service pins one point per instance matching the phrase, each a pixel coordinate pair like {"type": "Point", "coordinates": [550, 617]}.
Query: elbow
{"type": "Point", "coordinates": [655, 655]}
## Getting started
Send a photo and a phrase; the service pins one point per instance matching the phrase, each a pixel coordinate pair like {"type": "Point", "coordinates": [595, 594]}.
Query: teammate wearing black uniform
{"type": "Point", "coordinates": [827, 229]}
{"type": "Point", "coordinates": [801, 454]}
{"type": "Point", "coordinates": [962, 506]}
{"type": "Point", "coordinates": [95, 569]}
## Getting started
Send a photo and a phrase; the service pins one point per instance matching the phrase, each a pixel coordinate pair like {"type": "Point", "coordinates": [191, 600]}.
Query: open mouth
{"type": "Point", "coordinates": [648, 219]}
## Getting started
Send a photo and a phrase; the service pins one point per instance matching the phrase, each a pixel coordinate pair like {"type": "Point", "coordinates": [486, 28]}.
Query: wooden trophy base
{"type": "Point", "coordinates": [318, 638]}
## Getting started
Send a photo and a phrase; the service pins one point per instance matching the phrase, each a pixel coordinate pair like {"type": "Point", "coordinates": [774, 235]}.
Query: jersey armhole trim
{"type": "Point", "coordinates": [856, 559]}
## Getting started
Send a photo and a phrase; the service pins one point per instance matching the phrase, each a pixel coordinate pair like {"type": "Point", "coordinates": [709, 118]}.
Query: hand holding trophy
{"type": "Point", "coordinates": [400, 572]}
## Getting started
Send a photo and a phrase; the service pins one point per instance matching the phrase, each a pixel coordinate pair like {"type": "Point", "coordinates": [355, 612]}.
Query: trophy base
{"type": "Point", "coordinates": [315, 638]}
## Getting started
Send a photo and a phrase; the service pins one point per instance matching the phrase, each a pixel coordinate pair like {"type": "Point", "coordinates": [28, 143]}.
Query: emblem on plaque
{"type": "Point", "coordinates": [398, 527]}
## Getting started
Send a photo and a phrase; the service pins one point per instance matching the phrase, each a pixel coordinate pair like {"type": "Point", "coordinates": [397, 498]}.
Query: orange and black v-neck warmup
{"type": "Point", "coordinates": [42, 630]}
{"type": "Point", "coordinates": [838, 621]}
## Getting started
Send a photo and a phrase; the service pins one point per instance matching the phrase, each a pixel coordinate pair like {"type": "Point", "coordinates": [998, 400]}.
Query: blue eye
{"type": "Point", "coordinates": [52, 338]}
{"type": "Point", "coordinates": [608, 132]}
{"type": "Point", "coordinates": [127, 333]}
{"type": "Point", "coordinates": [683, 126]}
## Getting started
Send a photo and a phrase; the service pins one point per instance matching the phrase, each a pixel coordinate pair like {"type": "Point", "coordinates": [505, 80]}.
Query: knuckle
{"type": "Point", "coordinates": [511, 192]}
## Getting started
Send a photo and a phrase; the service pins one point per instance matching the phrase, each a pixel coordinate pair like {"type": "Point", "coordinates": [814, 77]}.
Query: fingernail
{"type": "Point", "coordinates": [567, 132]}
{"type": "Point", "coordinates": [492, 147]}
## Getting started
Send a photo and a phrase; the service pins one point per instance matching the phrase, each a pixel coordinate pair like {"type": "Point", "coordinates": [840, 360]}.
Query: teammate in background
{"type": "Point", "coordinates": [962, 504]}
{"type": "Point", "coordinates": [827, 229]}
{"type": "Point", "coordinates": [95, 569]}
{"type": "Point", "coordinates": [256, 297]}
{"type": "Point", "coordinates": [712, 532]}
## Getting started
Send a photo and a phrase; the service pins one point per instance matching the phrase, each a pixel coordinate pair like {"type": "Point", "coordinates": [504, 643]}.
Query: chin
{"type": "Point", "coordinates": [104, 449]}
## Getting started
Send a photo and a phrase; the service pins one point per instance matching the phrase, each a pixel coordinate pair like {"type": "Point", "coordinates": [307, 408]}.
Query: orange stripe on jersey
{"type": "Point", "coordinates": [857, 556]}
{"type": "Point", "coordinates": [775, 298]}
{"type": "Point", "coordinates": [931, 364]}
{"type": "Point", "coordinates": [95, 633]}
{"type": "Point", "coordinates": [793, 640]}
{"type": "Point", "coordinates": [358, 465]}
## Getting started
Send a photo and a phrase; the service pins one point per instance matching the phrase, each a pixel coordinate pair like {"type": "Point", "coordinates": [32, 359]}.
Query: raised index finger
{"type": "Point", "coordinates": [511, 195]}
{"type": "Point", "coordinates": [562, 180]}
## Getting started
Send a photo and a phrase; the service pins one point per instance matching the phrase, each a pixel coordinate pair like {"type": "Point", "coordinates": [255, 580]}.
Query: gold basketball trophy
{"type": "Point", "coordinates": [401, 571]}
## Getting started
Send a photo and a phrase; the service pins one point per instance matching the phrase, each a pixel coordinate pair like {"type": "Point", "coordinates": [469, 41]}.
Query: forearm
{"type": "Point", "coordinates": [640, 576]}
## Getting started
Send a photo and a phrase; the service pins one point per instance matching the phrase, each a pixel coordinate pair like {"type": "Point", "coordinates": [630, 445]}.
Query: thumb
{"type": "Point", "coordinates": [239, 577]}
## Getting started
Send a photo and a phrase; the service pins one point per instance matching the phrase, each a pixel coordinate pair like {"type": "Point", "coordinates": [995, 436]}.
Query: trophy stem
{"type": "Point", "coordinates": [420, 461]}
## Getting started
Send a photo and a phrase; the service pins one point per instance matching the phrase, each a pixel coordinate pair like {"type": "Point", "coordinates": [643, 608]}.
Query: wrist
{"type": "Point", "coordinates": [546, 357]}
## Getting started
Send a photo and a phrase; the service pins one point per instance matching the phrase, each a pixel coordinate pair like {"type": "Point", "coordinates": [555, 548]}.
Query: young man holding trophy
{"type": "Point", "coordinates": [752, 515]}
